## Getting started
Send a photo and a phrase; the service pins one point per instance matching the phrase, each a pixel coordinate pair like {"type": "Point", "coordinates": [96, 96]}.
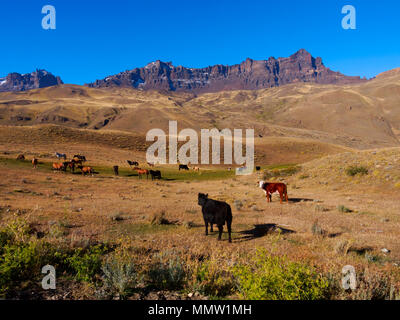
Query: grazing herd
{"type": "Point", "coordinates": [214, 211]}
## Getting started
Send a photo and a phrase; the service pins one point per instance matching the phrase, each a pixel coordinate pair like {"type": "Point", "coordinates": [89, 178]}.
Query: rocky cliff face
{"type": "Point", "coordinates": [22, 82]}
{"type": "Point", "coordinates": [249, 75]}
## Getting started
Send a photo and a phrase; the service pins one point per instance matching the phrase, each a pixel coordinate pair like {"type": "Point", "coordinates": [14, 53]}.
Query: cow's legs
{"type": "Point", "coordinates": [220, 229]}
{"type": "Point", "coordinates": [229, 230]}
{"type": "Point", "coordinates": [211, 229]}
{"type": "Point", "coordinates": [206, 223]}
{"type": "Point", "coordinates": [281, 196]}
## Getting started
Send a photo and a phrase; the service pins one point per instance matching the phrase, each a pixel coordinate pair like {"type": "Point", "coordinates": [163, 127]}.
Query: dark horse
{"type": "Point", "coordinates": [215, 212]}
{"type": "Point", "coordinates": [183, 167]}
{"type": "Point", "coordinates": [132, 163]}
{"type": "Point", "coordinates": [155, 174]}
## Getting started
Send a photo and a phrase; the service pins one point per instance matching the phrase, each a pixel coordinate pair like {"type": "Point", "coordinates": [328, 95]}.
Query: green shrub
{"type": "Point", "coordinates": [5, 237]}
{"type": "Point", "coordinates": [274, 278]}
{"type": "Point", "coordinates": [85, 263]}
{"type": "Point", "coordinates": [342, 208]}
{"type": "Point", "coordinates": [212, 280]}
{"type": "Point", "coordinates": [280, 172]}
{"type": "Point", "coordinates": [18, 263]}
{"type": "Point", "coordinates": [354, 170]}
{"type": "Point", "coordinates": [119, 276]}
{"type": "Point", "coordinates": [167, 272]}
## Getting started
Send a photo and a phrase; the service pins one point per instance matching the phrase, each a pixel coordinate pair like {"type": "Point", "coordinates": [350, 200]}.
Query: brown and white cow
{"type": "Point", "coordinates": [269, 188]}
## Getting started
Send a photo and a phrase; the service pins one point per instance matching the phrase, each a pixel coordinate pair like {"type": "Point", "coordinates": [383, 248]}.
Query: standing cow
{"type": "Point", "coordinates": [270, 187]}
{"type": "Point", "coordinates": [215, 212]}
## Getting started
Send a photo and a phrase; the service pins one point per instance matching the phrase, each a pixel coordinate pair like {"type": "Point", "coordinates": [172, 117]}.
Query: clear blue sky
{"type": "Point", "coordinates": [94, 39]}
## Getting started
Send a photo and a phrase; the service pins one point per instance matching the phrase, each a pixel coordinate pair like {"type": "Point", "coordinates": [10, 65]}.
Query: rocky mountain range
{"type": "Point", "coordinates": [22, 82]}
{"type": "Point", "coordinates": [248, 75]}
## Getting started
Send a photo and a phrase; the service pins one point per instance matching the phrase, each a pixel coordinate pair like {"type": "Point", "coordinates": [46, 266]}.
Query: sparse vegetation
{"type": "Point", "coordinates": [344, 209]}
{"type": "Point", "coordinates": [354, 170]}
{"type": "Point", "coordinates": [317, 230]}
{"type": "Point", "coordinates": [280, 171]}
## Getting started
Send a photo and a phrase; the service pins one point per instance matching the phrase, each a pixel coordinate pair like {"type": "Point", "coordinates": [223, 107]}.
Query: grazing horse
{"type": "Point", "coordinates": [183, 167]}
{"type": "Point", "coordinates": [270, 188]}
{"type": "Point", "coordinates": [61, 155]}
{"type": "Point", "coordinates": [150, 164]}
{"type": "Point", "coordinates": [215, 212]}
{"type": "Point", "coordinates": [34, 163]}
{"type": "Point", "coordinates": [133, 163]}
{"type": "Point", "coordinates": [70, 165]}
{"type": "Point", "coordinates": [86, 170]}
{"type": "Point", "coordinates": [21, 157]}
{"type": "Point", "coordinates": [141, 172]}
{"type": "Point", "coordinates": [58, 167]}
{"type": "Point", "coordinates": [78, 156]}
{"type": "Point", "coordinates": [76, 161]}
{"type": "Point", "coordinates": [155, 174]}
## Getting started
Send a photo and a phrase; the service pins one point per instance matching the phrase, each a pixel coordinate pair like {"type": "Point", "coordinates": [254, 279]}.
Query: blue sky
{"type": "Point", "coordinates": [94, 39]}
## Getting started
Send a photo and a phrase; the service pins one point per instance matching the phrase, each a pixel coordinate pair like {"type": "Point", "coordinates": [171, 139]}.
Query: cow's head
{"type": "Point", "coordinates": [260, 183]}
{"type": "Point", "coordinates": [202, 198]}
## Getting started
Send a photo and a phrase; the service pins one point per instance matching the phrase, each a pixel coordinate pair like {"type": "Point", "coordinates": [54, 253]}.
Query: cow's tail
{"type": "Point", "coordinates": [229, 223]}
{"type": "Point", "coordinates": [229, 216]}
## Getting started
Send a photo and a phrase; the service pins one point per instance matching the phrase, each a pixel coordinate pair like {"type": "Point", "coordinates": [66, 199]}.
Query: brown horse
{"type": "Point", "coordinates": [34, 163]}
{"type": "Point", "coordinates": [77, 161]}
{"type": "Point", "coordinates": [58, 167]}
{"type": "Point", "coordinates": [141, 172]}
{"type": "Point", "coordinates": [86, 170]}
{"type": "Point", "coordinates": [269, 188]}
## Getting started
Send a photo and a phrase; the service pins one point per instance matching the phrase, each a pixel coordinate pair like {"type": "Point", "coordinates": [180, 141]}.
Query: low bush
{"type": "Point", "coordinates": [342, 208]}
{"type": "Point", "coordinates": [119, 276]}
{"type": "Point", "coordinates": [212, 279]}
{"type": "Point", "coordinates": [159, 219]}
{"type": "Point", "coordinates": [317, 230]}
{"type": "Point", "coordinates": [167, 272]}
{"type": "Point", "coordinates": [84, 264]}
{"type": "Point", "coordinates": [354, 170]}
{"type": "Point", "coordinates": [274, 278]}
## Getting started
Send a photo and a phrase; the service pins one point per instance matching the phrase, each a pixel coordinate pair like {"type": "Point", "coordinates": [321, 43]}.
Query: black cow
{"type": "Point", "coordinates": [155, 174]}
{"type": "Point", "coordinates": [183, 167]}
{"type": "Point", "coordinates": [215, 212]}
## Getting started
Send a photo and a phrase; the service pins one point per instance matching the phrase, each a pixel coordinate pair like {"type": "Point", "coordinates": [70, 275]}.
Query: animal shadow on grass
{"type": "Point", "coordinates": [261, 230]}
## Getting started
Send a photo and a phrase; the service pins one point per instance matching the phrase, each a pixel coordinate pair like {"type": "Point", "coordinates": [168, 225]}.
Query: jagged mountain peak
{"type": "Point", "coordinates": [40, 78]}
{"type": "Point", "coordinates": [248, 75]}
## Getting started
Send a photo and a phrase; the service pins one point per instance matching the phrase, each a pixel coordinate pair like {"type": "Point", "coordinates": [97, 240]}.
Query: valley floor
{"type": "Point", "coordinates": [323, 224]}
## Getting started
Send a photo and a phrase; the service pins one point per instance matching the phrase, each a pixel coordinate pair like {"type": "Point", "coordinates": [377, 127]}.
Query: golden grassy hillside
{"type": "Point", "coordinates": [360, 116]}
